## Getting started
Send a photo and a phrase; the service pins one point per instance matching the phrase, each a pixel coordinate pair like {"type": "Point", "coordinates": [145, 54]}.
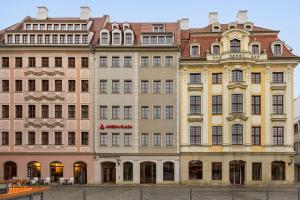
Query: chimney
{"type": "Point", "coordinates": [184, 24]}
{"type": "Point", "coordinates": [42, 12]}
{"type": "Point", "coordinates": [85, 12]}
{"type": "Point", "coordinates": [212, 18]}
{"type": "Point", "coordinates": [242, 17]}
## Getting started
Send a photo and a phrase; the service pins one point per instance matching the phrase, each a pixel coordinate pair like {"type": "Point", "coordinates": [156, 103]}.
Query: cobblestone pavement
{"type": "Point", "coordinates": [168, 193]}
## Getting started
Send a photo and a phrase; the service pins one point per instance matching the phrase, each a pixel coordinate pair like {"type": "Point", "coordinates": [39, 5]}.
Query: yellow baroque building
{"type": "Point", "coordinates": [236, 105]}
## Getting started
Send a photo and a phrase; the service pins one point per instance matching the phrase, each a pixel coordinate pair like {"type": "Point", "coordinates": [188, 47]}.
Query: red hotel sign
{"type": "Point", "coordinates": [115, 126]}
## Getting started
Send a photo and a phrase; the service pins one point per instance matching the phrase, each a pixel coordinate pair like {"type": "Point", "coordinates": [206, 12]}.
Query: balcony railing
{"type": "Point", "coordinates": [236, 56]}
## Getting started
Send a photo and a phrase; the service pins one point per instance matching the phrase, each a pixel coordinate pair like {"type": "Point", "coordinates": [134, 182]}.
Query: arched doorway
{"type": "Point", "coordinates": [148, 173]}
{"type": "Point", "coordinates": [9, 170]}
{"type": "Point", "coordinates": [127, 171]}
{"type": "Point", "coordinates": [33, 169]}
{"type": "Point", "coordinates": [108, 171]}
{"type": "Point", "coordinates": [80, 172]}
{"type": "Point", "coordinates": [195, 170]}
{"type": "Point", "coordinates": [56, 171]}
{"type": "Point", "coordinates": [168, 171]}
{"type": "Point", "coordinates": [237, 172]}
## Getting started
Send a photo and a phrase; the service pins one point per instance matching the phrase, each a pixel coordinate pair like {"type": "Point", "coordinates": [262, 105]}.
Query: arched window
{"type": "Point", "coordinates": [195, 50]}
{"type": "Point", "coordinates": [56, 171]}
{"type": "Point", "coordinates": [195, 170]}
{"type": "Point", "coordinates": [168, 171]}
{"type": "Point", "coordinates": [278, 171]}
{"type": "Point", "coordinates": [277, 49]}
{"type": "Point", "coordinates": [104, 38]}
{"type": "Point", "coordinates": [128, 38]}
{"type": "Point", "coordinates": [9, 170]}
{"type": "Point", "coordinates": [80, 172]}
{"type": "Point", "coordinates": [255, 48]}
{"type": "Point", "coordinates": [237, 75]}
{"type": "Point", "coordinates": [237, 134]}
{"type": "Point", "coordinates": [235, 45]}
{"type": "Point", "coordinates": [116, 38]}
{"type": "Point", "coordinates": [216, 49]}
{"type": "Point", "coordinates": [127, 171]}
{"type": "Point", "coordinates": [34, 169]}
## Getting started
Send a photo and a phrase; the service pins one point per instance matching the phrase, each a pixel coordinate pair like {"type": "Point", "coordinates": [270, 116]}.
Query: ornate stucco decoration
{"type": "Point", "coordinates": [44, 97]}
{"type": "Point", "coordinates": [233, 116]}
{"type": "Point", "coordinates": [40, 73]}
{"type": "Point", "coordinates": [41, 124]}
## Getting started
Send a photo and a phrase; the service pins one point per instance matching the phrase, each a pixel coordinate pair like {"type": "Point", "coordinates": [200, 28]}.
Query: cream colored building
{"type": "Point", "coordinates": [236, 105]}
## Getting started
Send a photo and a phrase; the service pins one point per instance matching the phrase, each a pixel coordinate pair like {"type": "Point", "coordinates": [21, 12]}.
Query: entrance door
{"type": "Point", "coordinates": [237, 172]}
{"type": "Point", "coordinates": [10, 170]}
{"type": "Point", "coordinates": [80, 172]}
{"type": "Point", "coordinates": [56, 171]}
{"type": "Point", "coordinates": [108, 172]}
{"type": "Point", "coordinates": [148, 173]}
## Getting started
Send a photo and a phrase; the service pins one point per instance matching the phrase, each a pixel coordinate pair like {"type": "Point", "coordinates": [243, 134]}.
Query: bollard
{"type": "Point", "coordinates": [267, 193]}
{"type": "Point", "coordinates": [84, 194]}
{"type": "Point", "coordinates": [141, 193]}
{"type": "Point", "coordinates": [191, 193]}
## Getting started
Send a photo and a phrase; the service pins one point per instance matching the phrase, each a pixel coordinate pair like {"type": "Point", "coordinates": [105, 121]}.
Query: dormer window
{"type": "Point", "coordinates": [28, 26]}
{"type": "Point", "coordinates": [116, 38]}
{"type": "Point", "coordinates": [216, 49]}
{"type": "Point", "coordinates": [255, 48]}
{"type": "Point", "coordinates": [126, 26]}
{"type": "Point", "coordinates": [195, 50]}
{"type": "Point", "coordinates": [159, 28]}
{"type": "Point", "coordinates": [9, 39]}
{"type": "Point", "coordinates": [161, 39]}
{"type": "Point", "coordinates": [63, 27]}
{"type": "Point", "coordinates": [49, 26]}
{"type": "Point", "coordinates": [35, 26]}
{"type": "Point", "coordinates": [248, 27]}
{"type": "Point", "coordinates": [115, 26]}
{"type": "Point", "coordinates": [231, 26]}
{"type": "Point", "coordinates": [42, 27]}
{"type": "Point", "coordinates": [104, 38]}
{"type": "Point", "coordinates": [84, 27]}
{"type": "Point", "coordinates": [277, 49]}
{"type": "Point", "coordinates": [237, 75]}
{"type": "Point", "coordinates": [77, 27]}
{"type": "Point", "coordinates": [235, 45]}
{"type": "Point", "coordinates": [70, 27]}
{"type": "Point", "coordinates": [56, 27]}
{"type": "Point", "coordinates": [128, 38]}
{"type": "Point", "coordinates": [216, 28]}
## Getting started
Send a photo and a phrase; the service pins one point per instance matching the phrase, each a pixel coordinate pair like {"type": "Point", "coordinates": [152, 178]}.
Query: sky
{"type": "Point", "coordinates": [273, 14]}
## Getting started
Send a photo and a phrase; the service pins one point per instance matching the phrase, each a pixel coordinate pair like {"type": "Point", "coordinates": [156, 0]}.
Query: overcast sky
{"type": "Point", "coordinates": [273, 14]}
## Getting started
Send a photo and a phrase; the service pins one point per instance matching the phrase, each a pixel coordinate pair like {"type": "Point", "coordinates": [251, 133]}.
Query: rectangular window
{"type": "Point", "coordinates": [217, 135]}
{"type": "Point", "coordinates": [31, 62]}
{"type": "Point", "coordinates": [156, 61]}
{"type": "Point", "coordinates": [216, 171]}
{"type": "Point", "coordinates": [146, 40]}
{"type": "Point", "coordinates": [169, 139]}
{"type": "Point", "coordinates": [156, 86]}
{"type": "Point", "coordinates": [31, 85]}
{"type": "Point", "coordinates": [237, 134]}
{"type": "Point", "coordinates": [19, 111]}
{"type": "Point", "coordinates": [127, 61]}
{"type": "Point", "coordinates": [18, 138]}
{"type": "Point", "coordinates": [169, 86]}
{"type": "Point", "coordinates": [31, 138]}
{"type": "Point", "coordinates": [128, 38]}
{"type": "Point", "coordinates": [115, 111]}
{"type": "Point", "coordinates": [45, 111]}
{"type": "Point", "coordinates": [144, 86]}
{"type": "Point", "coordinates": [84, 62]}
{"type": "Point", "coordinates": [18, 62]}
{"type": "Point", "coordinates": [58, 62]}
{"type": "Point", "coordinates": [156, 112]}
{"type": "Point", "coordinates": [77, 39]}
{"type": "Point", "coordinates": [58, 111]}
{"type": "Point", "coordinates": [156, 139]}
{"type": "Point", "coordinates": [277, 104]}
{"type": "Point", "coordinates": [115, 86]}
{"type": "Point", "coordinates": [103, 61]}
{"type": "Point", "coordinates": [32, 39]}
{"type": "Point", "coordinates": [45, 85]}
{"type": "Point", "coordinates": [255, 78]}
{"type": "Point", "coordinates": [127, 112]}
{"type": "Point", "coordinates": [31, 111]}
{"type": "Point", "coordinates": [277, 77]}
{"type": "Point", "coordinates": [144, 139]}
{"type": "Point", "coordinates": [169, 61]}
{"type": "Point", "coordinates": [40, 39]}
{"type": "Point", "coordinates": [256, 171]}
{"type": "Point", "coordinates": [54, 39]}
{"type": "Point", "coordinates": [47, 39]}
{"type": "Point", "coordinates": [84, 39]}
{"type": "Point", "coordinates": [58, 85]}
{"type": "Point", "coordinates": [255, 130]}
{"type": "Point", "coordinates": [45, 62]}
{"type": "Point", "coordinates": [5, 85]}
{"type": "Point", "coordinates": [84, 85]}
{"type": "Point", "coordinates": [62, 39]}
{"type": "Point", "coordinates": [103, 139]}
{"type": "Point", "coordinates": [71, 85]}
{"type": "Point", "coordinates": [144, 61]}
{"type": "Point", "coordinates": [169, 39]}
{"type": "Point", "coordinates": [58, 138]}
{"type": "Point", "coordinates": [161, 39]}
{"type": "Point", "coordinates": [278, 135]}
{"type": "Point", "coordinates": [103, 112]}
{"type": "Point", "coordinates": [70, 39]}
{"type": "Point", "coordinates": [5, 138]}
{"type": "Point", "coordinates": [84, 111]}
{"type": "Point", "coordinates": [195, 78]}
{"type": "Point", "coordinates": [153, 39]}
{"type": "Point", "coordinates": [255, 104]}
{"type": "Point", "coordinates": [195, 135]}
{"type": "Point", "coordinates": [115, 139]}
{"type": "Point", "coordinates": [103, 86]}
{"type": "Point", "coordinates": [71, 62]}
{"type": "Point", "coordinates": [127, 86]}
{"type": "Point", "coordinates": [5, 62]}
{"type": "Point", "coordinates": [25, 39]}
{"type": "Point", "coordinates": [45, 138]}
{"type": "Point", "coordinates": [217, 104]}
{"type": "Point", "coordinates": [5, 111]}
{"type": "Point", "coordinates": [169, 112]}
{"type": "Point", "coordinates": [145, 112]}
{"type": "Point", "coordinates": [71, 111]}
{"type": "Point", "coordinates": [195, 105]}
{"type": "Point", "coordinates": [237, 103]}
{"type": "Point", "coordinates": [84, 138]}
{"type": "Point", "coordinates": [217, 78]}
{"type": "Point", "coordinates": [127, 139]}
{"type": "Point", "coordinates": [71, 138]}
{"type": "Point", "coordinates": [115, 61]}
